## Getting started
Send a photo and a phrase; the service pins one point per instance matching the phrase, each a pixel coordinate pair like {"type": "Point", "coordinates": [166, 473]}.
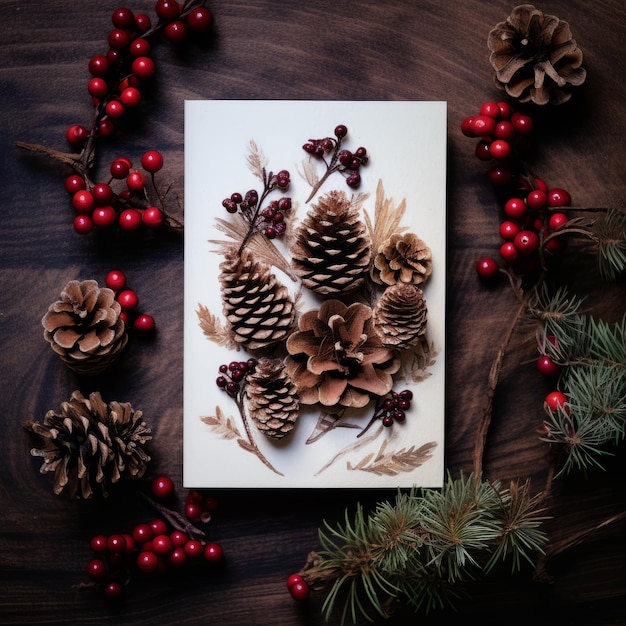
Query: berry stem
{"type": "Point", "coordinates": [175, 519]}
{"type": "Point", "coordinates": [331, 168]}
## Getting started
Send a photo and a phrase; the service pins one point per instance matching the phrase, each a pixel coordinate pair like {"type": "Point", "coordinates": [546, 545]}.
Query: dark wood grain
{"type": "Point", "coordinates": [269, 49]}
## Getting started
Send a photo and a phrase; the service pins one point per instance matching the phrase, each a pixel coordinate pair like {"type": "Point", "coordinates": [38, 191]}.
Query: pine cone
{"type": "Point", "coordinates": [272, 398]}
{"type": "Point", "coordinates": [401, 315]}
{"type": "Point", "coordinates": [90, 445]}
{"type": "Point", "coordinates": [331, 252]}
{"type": "Point", "coordinates": [402, 259]}
{"type": "Point", "coordinates": [257, 306]}
{"type": "Point", "coordinates": [535, 57]}
{"type": "Point", "coordinates": [84, 327]}
{"type": "Point", "coordinates": [337, 358]}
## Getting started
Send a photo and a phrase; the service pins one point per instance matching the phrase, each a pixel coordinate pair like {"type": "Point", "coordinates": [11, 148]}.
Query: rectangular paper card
{"type": "Point", "coordinates": [314, 302]}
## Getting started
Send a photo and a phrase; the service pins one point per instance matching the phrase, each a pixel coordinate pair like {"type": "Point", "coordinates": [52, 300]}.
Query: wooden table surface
{"type": "Point", "coordinates": [270, 49]}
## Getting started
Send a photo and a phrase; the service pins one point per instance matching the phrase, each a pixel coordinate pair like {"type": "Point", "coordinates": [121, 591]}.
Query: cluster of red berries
{"type": "Point", "coordinates": [129, 301]}
{"type": "Point", "coordinates": [98, 205]}
{"type": "Point", "coordinates": [530, 215]}
{"type": "Point", "coordinates": [270, 220]}
{"type": "Point", "coordinates": [233, 374]}
{"type": "Point", "coordinates": [341, 159]}
{"type": "Point", "coordinates": [298, 587]}
{"type": "Point", "coordinates": [118, 77]}
{"type": "Point", "coordinates": [151, 547]}
{"type": "Point", "coordinates": [199, 507]}
{"type": "Point", "coordinates": [394, 408]}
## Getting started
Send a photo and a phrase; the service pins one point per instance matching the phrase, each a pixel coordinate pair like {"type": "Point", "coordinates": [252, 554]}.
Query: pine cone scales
{"type": "Point", "coordinates": [84, 327]}
{"type": "Point", "coordinates": [90, 445]}
{"type": "Point", "coordinates": [402, 259]}
{"type": "Point", "coordinates": [257, 306]}
{"type": "Point", "coordinates": [331, 252]}
{"type": "Point", "coordinates": [272, 398]}
{"type": "Point", "coordinates": [401, 316]}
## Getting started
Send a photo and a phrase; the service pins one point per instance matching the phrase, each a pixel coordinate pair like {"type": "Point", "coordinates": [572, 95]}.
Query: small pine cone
{"type": "Point", "coordinates": [332, 250]}
{"type": "Point", "coordinates": [91, 445]}
{"type": "Point", "coordinates": [401, 316]}
{"type": "Point", "coordinates": [272, 398]}
{"type": "Point", "coordinates": [402, 259]}
{"type": "Point", "coordinates": [258, 307]}
{"type": "Point", "coordinates": [84, 327]}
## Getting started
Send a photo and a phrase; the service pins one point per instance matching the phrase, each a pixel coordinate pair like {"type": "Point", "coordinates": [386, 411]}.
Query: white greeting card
{"type": "Point", "coordinates": [233, 147]}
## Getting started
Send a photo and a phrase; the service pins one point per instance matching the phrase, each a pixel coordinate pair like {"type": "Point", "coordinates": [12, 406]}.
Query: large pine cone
{"type": "Point", "coordinates": [402, 259]}
{"type": "Point", "coordinates": [84, 327]}
{"type": "Point", "coordinates": [401, 316]}
{"type": "Point", "coordinates": [258, 307]}
{"type": "Point", "coordinates": [337, 357]}
{"type": "Point", "coordinates": [272, 398]}
{"type": "Point", "coordinates": [331, 252]}
{"type": "Point", "coordinates": [535, 57]}
{"type": "Point", "coordinates": [91, 445]}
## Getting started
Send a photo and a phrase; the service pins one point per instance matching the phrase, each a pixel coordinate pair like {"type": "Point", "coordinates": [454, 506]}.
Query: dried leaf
{"type": "Point", "coordinates": [416, 361]}
{"type": "Point", "coordinates": [224, 426]}
{"type": "Point", "coordinates": [387, 218]}
{"type": "Point", "coordinates": [213, 329]}
{"type": "Point", "coordinates": [257, 161]}
{"type": "Point", "coordinates": [327, 422]}
{"type": "Point", "coordinates": [394, 463]}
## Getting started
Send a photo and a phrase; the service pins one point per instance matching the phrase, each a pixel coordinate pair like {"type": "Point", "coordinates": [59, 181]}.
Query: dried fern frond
{"type": "Point", "coordinates": [387, 218]}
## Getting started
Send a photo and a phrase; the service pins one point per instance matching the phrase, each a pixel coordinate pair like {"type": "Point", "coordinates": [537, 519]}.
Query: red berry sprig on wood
{"type": "Point", "coordinates": [125, 198]}
{"type": "Point", "coordinates": [129, 301]}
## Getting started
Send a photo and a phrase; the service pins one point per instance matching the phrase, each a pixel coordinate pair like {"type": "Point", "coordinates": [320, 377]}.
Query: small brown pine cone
{"type": "Point", "coordinates": [258, 307]}
{"type": "Point", "coordinates": [402, 258]}
{"type": "Point", "coordinates": [535, 57]}
{"type": "Point", "coordinates": [332, 249]}
{"type": "Point", "coordinates": [84, 327]}
{"type": "Point", "coordinates": [401, 315]}
{"type": "Point", "coordinates": [272, 398]}
{"type": "Point", "coordinates": [90, 445]}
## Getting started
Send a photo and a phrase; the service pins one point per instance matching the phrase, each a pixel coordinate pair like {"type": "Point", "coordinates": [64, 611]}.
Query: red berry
{"type": "Point", "coordinates": [505, 130]}
{"type": "Point", "coordinates": [482, 150]}
{"type": "Point", "coordinates": [547, 366]}
{"type": "Point", "coordinates": [118, 39]}
{"type": "Point", "coordinates": [120, 168]}
{"type": "Point", "coordinates": [144, 323]}
{"type": "Point", "coordinates": [178, 557]}
{"type": "Point", "coordinates": [491, 109]}
{"type": "Point", "coordinates": [176, 31]}
{"type": "Point", "coordinates": [341, 131]}
{"type": "Point", "coordinates": [135, 181]}
{"type": "Point", "coordinates": [159, 527]}
{"type": "Point", "coordinates": [114, 109]}
{"type": "Point", "coordinates": [97, 570]}
{"type": "Point", "coordinates": [557, 220]}
{"type": "Point", "coordinates": [523, 123]}
{"type": "Point", "coordinates": [115, 279]}
{"type": "Point", "coordinates": [200, 19]}
{"type": "Point", "coordinates": [130, 97]}
{"type": "Point", "coordinates": [142, 533]}
{"type": "Point", "coordinates": [556, 399]}
{"type": "Point", "coordinates": [162, 545]}
{"type": "Point", "coordinates": [104, 216]}
{"type": "Point", "coordinates": [142, 22]}
{"type": "Point", "coordinates": [299, 590]}
{"type": "Point", "coordinates": [152, 161]}
{"type": "Point", "coordinates": [106, 127]}
{"type": "Point", "coordinates": [537, 199]}
{"type": "Point", "coordinates": [153, 217]}
{"type": "Point", "coordinates": [179, 538]}
{"type": "Point", "coordinates": [500, 176]}
{"type": "Point", "coordinates": [213, 553]}
{"type": "Point", "coordinates": [515, 208]}
{"type": "Point", "coordinates": [508, 230]}
{"type": "Point", "coordinates": [76, 134]}
{"type": "Point", "coordinates": [500, 149]}
{"type": "Point", "coordinates": [102, 194]}
{"type": "Point", "coordinates": [293, 579]}
{"type": "Point", "coordinates": [483, 126]}
{"type": "Point", "coordinates": [116, 543]}
{"type": "Point", "coordinates": [167, 10]}
{"type": "Point", "coordinates": [113, 590]}
{"type": "Point", "coordinates": [505, 110]}
{"type": "Point", "coordinates": [83, 201]}
{"type": "Point", "coordinates": [162, 487]}
{"type": "Point", "coordinates": [98, 544]}
{"type": "Point", "coordinates": [509, 252]}
{"type": "Point", "coordinates": [123, 18]}
{"type": "Point", "coordinates": [143, 68]}
{"type": "Point", "coordinates": [140, 47]}
{"type": "Point", "coordinates": [147, 562]}
{"type": "Point", "coordinates": [130, 219]}
{"type": "Point", "coordinates": [193, 511]}
{"type": "Point", "coordinates": [74, 183]}
{"type": "Point", "coordinates": [193, 548]}
{"type": "Point", "coordinates": [559, 197]}
{"type": "Point", "coordinates": [99, 65]}
{"type": "Point", "coordinates": [83, 224]}
{"type": "Point", "coordinates": [466, 127]}
{"type": "Point", "coordinates": [526, 242]}
{"type": "Point", "coordinates": [128, 299]}
{"type": "Point", "coordinates": [97, 87]}
{"type": "Point", "coordinates": [487, 268]}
